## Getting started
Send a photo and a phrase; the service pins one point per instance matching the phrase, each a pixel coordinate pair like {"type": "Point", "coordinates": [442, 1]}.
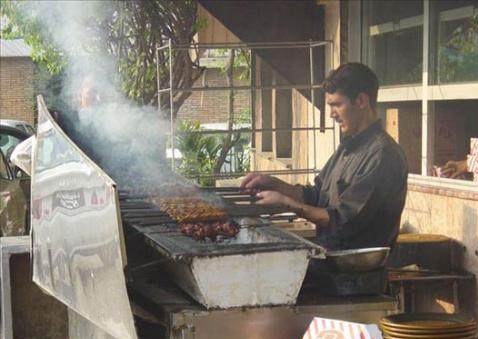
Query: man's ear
{"type": "Point", "coordinates": [362, 100]}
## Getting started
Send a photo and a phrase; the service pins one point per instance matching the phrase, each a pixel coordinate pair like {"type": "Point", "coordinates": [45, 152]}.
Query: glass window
{"type": "Point", "coordinates": [8, 143]}
{"type": "Point", "coordinates": [393, 40]}
{"type": "Point", "coordinates": [457, 40]}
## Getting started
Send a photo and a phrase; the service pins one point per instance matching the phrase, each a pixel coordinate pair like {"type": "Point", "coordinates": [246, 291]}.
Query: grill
{"type": "Point", "coordinates": [261, 265]}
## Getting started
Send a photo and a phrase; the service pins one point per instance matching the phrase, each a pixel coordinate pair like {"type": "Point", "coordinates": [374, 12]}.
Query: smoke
{"type": "Point", "coordinates": [126, 140]}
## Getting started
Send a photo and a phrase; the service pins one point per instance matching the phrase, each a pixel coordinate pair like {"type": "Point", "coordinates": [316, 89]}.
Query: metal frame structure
{"type": "Point", "coordinates": [9, 246]}
{"type": "Point", "coordinates": [252, 46]}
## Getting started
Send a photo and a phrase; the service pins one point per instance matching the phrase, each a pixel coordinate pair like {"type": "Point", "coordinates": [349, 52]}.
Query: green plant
{"type": "Point", "coordinates": [201, 153]}
{"type": "Point", "coordinates": [125, 31]}
{"type": "Point", "coordinates": [458, 56]}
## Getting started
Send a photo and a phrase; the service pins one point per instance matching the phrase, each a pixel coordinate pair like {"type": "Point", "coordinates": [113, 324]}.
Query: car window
{"type": "Point", "coordinates": [8, 143]}
{"type": "Point", "coordinates": [4, 174]}
{"type": "Point", "coordinates": [21, 127]}
{"type": "Point", "coordinates": [30, 129]}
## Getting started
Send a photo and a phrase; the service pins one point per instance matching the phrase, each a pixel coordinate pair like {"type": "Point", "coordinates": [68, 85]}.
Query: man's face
{"type": "Point", "coordinates": [347, 114]}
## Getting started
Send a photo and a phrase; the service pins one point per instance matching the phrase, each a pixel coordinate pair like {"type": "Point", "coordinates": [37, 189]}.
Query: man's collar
{"type": "Point", "coordinates": [349, 143]}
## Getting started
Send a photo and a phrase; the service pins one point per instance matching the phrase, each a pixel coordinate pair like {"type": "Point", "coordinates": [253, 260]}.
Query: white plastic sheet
{"type": "Point", "coordinates": [76, 239]}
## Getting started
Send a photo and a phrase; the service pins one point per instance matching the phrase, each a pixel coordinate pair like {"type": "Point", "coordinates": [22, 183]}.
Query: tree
{"type": "Point", "coordinates": [129, 31]}
{"type": "Point", "coordinates": [204, 153]}
{"type": "Point", "coordinates": [458, 51]}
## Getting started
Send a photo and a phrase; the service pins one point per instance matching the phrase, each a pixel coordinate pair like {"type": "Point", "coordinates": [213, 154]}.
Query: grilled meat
{"type": "Point", "coordinates": [190, 209]}
{"type": "Point", "coordinates": [203, 230]}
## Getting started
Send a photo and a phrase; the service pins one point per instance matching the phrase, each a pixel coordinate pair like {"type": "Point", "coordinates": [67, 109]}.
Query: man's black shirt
{"type": "Point", "coordinates": [363, 187]}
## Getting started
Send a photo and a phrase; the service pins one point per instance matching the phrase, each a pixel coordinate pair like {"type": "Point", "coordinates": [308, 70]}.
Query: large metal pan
{"type": "Point", "coordinates": [357, 260]}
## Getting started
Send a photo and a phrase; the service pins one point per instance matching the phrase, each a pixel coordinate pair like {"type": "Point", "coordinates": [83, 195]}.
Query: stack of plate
{"type": "Point", "coordinates": [428, 326]}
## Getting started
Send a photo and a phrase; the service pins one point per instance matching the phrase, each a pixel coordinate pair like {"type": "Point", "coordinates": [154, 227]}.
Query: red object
{"type": "Point", "coordinates": [94, 199]}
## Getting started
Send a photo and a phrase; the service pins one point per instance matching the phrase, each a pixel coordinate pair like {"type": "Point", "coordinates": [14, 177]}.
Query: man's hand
{"type": "Point", "coordinates": [454, 169]}
{"type": "Point", "coordinates": [255, 182]}
{"type": "Point", "coordinates": [272, 198]}
{"type": "Point", "coordinates": [317, 215]}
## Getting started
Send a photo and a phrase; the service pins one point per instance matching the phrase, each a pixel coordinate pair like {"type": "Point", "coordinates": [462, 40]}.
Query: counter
{"type": "Point", "coordinates": [180, 317]}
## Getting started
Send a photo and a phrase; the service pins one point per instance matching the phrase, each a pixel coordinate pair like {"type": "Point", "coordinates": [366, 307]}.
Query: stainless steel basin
{"type": "Point", "coordinates": [357, 260]}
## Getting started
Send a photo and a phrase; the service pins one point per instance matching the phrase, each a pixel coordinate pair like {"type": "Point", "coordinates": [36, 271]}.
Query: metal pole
{"type": "Point", "coordinates": [254, 45]}
{"type": "Point", "coordinates": [238, 174]}
{"type": "Point", "coordinates": [253, 98]}
{"type": "Point", "coordinates": [252, 87]}
{"type": "Point", "coordinates": [164, 90]}
{"type": "Point", "coordinates": [171, 102]}
{"type": "Point", "coordinates": [332, 67]}
{"type": "Point", "coordinates": [250, 130]}
{"type": "Point", "coordinates": [158, 82]}
{"type": "Point", "coordinates": [243, 88]}
{"type": "Point", "coordinates": [312, 98]}
{"type": "Point", "coordinates": [427, 160]}
{"type": "Point", "coordinates": [162, 47]}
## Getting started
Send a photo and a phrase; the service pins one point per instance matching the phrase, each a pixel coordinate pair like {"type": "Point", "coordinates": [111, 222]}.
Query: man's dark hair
{"type": "Point", "coordinates": [352, 79]}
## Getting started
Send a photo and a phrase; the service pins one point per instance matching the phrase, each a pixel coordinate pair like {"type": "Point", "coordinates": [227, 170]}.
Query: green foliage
{"type": "Point", "coordinates": [44, 50]}
{"type": "Point", "coordinates": [127, 31]}
{"type": "Point", "coordinates": [458, 56]}
{"type": "Point", "coordinates": [200, 152]}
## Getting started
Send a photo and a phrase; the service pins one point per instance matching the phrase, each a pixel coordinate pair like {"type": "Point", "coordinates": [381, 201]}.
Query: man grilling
{"type": "Point", "coordinates": [359, 195]}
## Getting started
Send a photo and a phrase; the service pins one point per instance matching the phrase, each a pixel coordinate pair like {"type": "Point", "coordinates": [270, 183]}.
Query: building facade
{"type": "Point", "coordinates": [16, 81]}
{"type": "Point", "coordinates": [425, 53]}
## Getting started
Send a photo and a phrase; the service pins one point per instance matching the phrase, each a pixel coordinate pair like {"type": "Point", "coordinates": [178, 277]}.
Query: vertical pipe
{"type": "Point", "coordinates": [171, 103]}
{"type": "Point", "coordinates": [427, 115]}
{"type": "Point", "coordinates": [336, 137]}
{"type": "Point", "coordinates": [312, 98]}
{"type": "Point", "coordinates": [253, 98]}
{"type": "Point", "coordinates": [158, 82]}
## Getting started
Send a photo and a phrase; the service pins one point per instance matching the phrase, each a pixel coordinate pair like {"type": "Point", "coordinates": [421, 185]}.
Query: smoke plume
{"type": "Point", "coordinates": [128, 141]}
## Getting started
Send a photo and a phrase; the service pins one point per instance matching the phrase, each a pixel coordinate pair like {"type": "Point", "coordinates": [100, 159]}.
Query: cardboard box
{"type": "Point", "coordinates": [449, 131]}
{"type": "Point", "coordinates": [322, 328]}
{"type": "Point", "coordinates": [404, 125]}
{"type": "Point", "coordinates": [472, 163]}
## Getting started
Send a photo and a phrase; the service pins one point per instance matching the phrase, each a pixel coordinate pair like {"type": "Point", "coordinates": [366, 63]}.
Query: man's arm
{"type": "Point", "coordinates": [359, 201]}
{"type": "Point", "coordinates": [317, 215]}
{"type": "Point", "coordinates": [454, 169]}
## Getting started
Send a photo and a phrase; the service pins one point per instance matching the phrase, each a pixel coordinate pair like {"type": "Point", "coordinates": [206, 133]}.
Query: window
{"type": "Point", "coordinates": [456, 45]}
{"type": "Point", "coordinates": [392, 45]}
{"type": "Point", "coordinates": [8, 143]}
{"type": "Point", "coordinates": [456, 122]}
{"type": "Point", "coordinates": [393, 40]}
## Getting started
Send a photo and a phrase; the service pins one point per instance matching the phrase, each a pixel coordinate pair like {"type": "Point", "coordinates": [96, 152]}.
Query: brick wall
{"type": "Point", "coordinates": [212, 106]}
{"type": "Point", "coordinates": [16, 89]}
